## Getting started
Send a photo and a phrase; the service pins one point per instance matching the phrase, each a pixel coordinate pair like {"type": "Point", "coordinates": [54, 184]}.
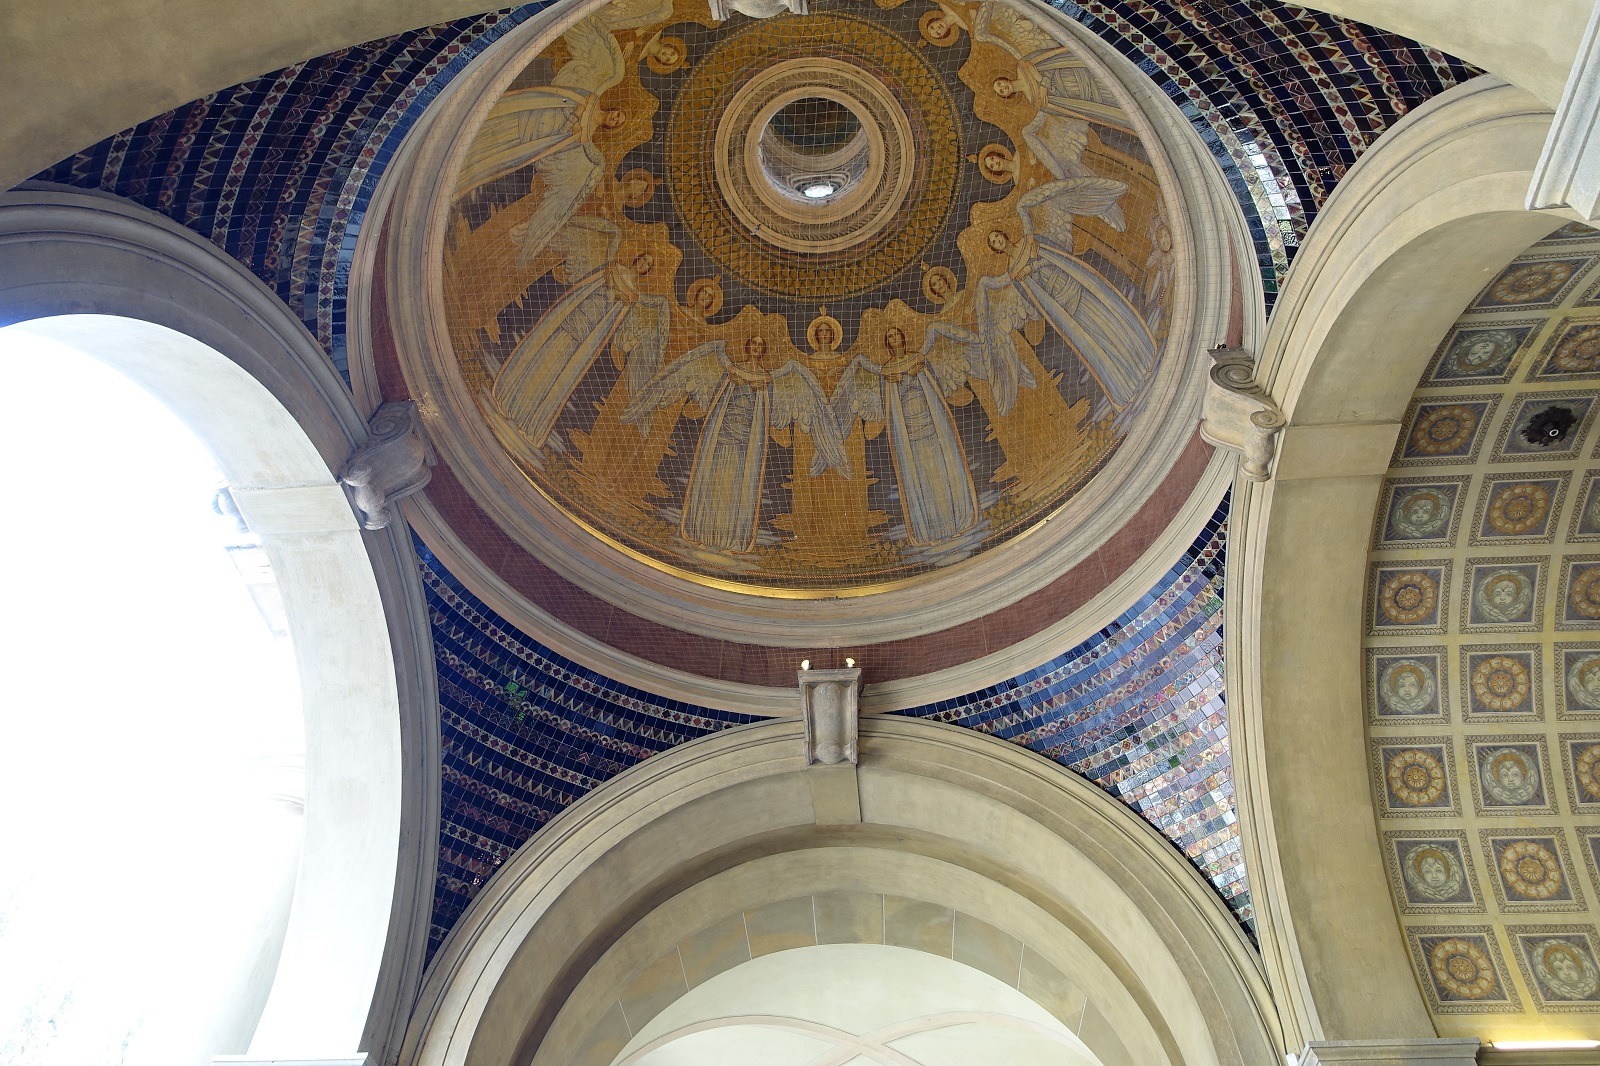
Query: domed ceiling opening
{"type": "Point", "coordinates": [802, 306]}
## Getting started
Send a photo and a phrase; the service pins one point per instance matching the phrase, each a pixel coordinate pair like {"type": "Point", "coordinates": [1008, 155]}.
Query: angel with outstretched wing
{"type": "Point", "coordinates": [1000, 309]}
{"type": "Point", "coordinates": [935, 486]}
{"type": "Point", "coordinates": [858, 396]}
{"type": "Point", "coordinates": [695, 377]}
{"type": "Point", "coordinates": [551, 128]}
{"type": "Point", "coordinates": [1045, 280]}
{"type": "Point", "coordinates": [604, 306]}
{"type": "Point", "coordinates": [797, 398]}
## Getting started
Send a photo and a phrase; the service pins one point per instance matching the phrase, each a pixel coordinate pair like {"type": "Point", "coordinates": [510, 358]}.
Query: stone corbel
{"type": "Point", "coordinates": [830, 706]}
{"type": "Point", "coordinates": [722, 10]}
{"type": "Point", "coordinates": [1460, 1051]}
{"type": "Point", "coordinates": [1239, 414]}
{"type": "Point", "coordinates": [395, 461]}
{"type": "Point", "coordinates": [1568, 171]}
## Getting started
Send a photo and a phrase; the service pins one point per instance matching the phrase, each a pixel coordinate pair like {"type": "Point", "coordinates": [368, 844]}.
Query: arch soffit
{"type": "Point", "coordinates": [736, 820]}
{"type": "Point", "coordinates": [187, 322]}
{"type": "Point", "coordinates": [1412, 233]}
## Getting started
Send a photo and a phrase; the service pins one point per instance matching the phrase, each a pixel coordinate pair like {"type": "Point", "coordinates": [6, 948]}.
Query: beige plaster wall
{"type": "Point", "coordinates": [75, 73]}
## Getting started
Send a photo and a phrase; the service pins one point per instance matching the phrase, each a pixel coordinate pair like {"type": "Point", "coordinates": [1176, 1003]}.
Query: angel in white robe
{"type": "Point", "coordinates": [604, 307]}
{"type": "Point", "coordinates": [722, 505]}
{"type": "Point", "coordinates": [908, 394]}
{"type": "Point", "coordinates": [552, 128]}
{"type": "Point", "coordinates": [1045, 280]}
{"type": "Point", "coordinates": [1050, 76]}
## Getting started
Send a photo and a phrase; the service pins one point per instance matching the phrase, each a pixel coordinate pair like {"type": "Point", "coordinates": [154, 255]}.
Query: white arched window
{"type": "Point", "coordinates": [324, 948]}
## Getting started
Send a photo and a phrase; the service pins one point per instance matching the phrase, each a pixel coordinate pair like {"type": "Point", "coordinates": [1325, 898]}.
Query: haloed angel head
{"type": "Point", "coordinates": [643, 263]}
{"type": "Point", "coordinates": [1004, 88]}
{"type": "Point", "coordinates": [998, 241]}
{"type": "Point", "coordinates": [613, 118]}
{"type": "Point", "coordinates": [894, 338]}
{"type": "Point", "coordinates": [755, 348]}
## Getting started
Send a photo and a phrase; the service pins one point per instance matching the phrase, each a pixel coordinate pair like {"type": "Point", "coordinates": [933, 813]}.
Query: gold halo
{"type": "Point", "coordinates": [638, 174]}
{"type": "Point", "coordinates": [815, 327]}
{"type": "Point", "coordinates": [927, 284]}
{"type": "Point", "coordinates": [653, 58]}
{"type": "Point", "coordinates": [989, 151]}
{"type": "Point", "coordinates": [952, 30]}
{"type": "Point", "coordinates": [707, 285]}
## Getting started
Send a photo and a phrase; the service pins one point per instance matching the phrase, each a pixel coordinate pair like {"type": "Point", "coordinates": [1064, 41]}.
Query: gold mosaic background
{"type": "Point", "coordinates": [746, 416]}
{"type": "Point", "coordinates": [1483, 650]}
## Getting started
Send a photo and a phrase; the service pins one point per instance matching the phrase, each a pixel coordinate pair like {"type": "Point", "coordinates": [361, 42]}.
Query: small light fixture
{"type": "Point", "coordinates": [849, 664]}
{"type": "Point", "coordinates": [817, 190]}
{"type": "Point", "coordinates": [1545, 1045]}
{"type": "Point", "coordinates": [805, 664]}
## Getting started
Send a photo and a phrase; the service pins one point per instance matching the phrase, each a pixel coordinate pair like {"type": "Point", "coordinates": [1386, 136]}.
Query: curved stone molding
{"type": "Point", "coordinates": [1238, 413]}
{"type": "Point", "coordinates": [1407, 239]}
{"type": "Point", "coordinates": [179, 316]}
{"type": "Point", "coordinates": [1204, 232]}
{"type": "Point", "coordinates": [734, 821]}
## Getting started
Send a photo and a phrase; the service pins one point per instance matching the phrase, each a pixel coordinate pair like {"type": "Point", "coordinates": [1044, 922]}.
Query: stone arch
{"type": "Point", "coordinates": [179, 317]}
{"type": "Point", "coordinates": [1414, 231]}
{"type": "Point", "coordinates": [934, 816]}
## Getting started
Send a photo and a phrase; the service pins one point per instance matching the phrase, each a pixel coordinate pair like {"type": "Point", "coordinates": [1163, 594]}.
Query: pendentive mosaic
{"type": "Point", "coordinates": [1138, 709]}
{"type": "Point", "coordinates": [1478, 718]}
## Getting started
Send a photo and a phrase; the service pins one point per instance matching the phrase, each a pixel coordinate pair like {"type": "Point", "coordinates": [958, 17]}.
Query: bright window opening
{"type": "Point", "coordinates": [150, 775]}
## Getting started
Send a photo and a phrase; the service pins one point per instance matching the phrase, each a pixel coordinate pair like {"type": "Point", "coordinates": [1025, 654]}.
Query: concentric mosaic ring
{"type": "Point", "coordinates": [709, 187]}
{"type": "Point", "coordinates": [1500, 683]}
{"type": "Point", "coordinates": [1578, 352]}
{"type": "Point", "coordinates": [1416, 778]}
{"type": "Point", "coordinates": [1408, 598]}
{"type": "Point", "coordinates": [1444, 429]}
{"type": "Point", "coordinates": [1518, 509]}
{"type": "Point", "coordinates": [1585, 767]}
{"type": "Point", "coordinates": [1531, 282]}
{"type": "Point", "coordinates": [1462, 969]}
{"type": "Point", "coordinates": [1530, 870]}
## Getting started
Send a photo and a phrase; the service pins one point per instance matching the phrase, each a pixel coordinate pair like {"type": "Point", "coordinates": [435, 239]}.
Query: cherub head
{"type": "Point", "coordinates": [613, 118]}
{"type": "Point", "coordinates": [643, 263]}
{"type": "Point", "coordinates": [998, 241]}
{"type": "Point", "coordinates": [894, 339]}
{"type": "Point", "coordinates": [1005, 88]}
{"type": "Point", "coordinates": [755, 348]}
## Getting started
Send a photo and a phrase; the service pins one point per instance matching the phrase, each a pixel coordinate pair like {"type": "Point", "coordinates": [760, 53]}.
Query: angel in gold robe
{"type": "Point", "coordinates": [1045, 280]}
{"type": "Point", "coordinates": [551, 128]}
{"type": "Point", "coordinates": [1050, 75]}
{"type": "Point", "coordinates": [603, 307]}
{"type": "Point", "coordinates": [908, 394]}
{"type": "Point", "coordinates": [722, 505]}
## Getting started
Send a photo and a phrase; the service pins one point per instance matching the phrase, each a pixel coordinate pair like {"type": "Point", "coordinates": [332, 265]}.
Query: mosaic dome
{"type": "Point", "coordinates": [803, 302]}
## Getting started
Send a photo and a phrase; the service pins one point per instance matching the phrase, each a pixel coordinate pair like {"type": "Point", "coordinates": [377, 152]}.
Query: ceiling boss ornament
{"type": "Point", "coordinates": [817, 299]}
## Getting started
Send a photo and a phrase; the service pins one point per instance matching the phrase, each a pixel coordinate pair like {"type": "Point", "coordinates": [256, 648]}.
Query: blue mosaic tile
{"type": "Point", "coordinates": [523, 733]}
{"type": "Point", "coordinates": [1139, 710]}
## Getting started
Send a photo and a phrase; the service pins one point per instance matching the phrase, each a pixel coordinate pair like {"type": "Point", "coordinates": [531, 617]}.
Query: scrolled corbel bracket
{"type": "Point", "coordinates": [395, 462]}
{"type": "Point", "coordinates": [1239, 415]}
